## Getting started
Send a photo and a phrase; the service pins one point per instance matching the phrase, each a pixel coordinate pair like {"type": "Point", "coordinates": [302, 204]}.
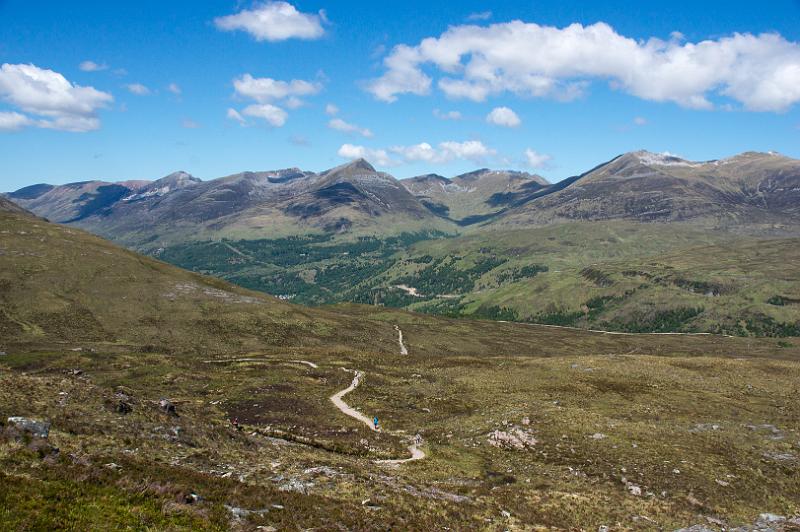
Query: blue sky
{"type": "Point", "coordinates": [537, 94]}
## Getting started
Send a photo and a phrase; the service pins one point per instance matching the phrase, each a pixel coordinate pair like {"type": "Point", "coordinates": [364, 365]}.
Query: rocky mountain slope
{"type": "Point", "coordinates": [760, 190]}
{"type": "Point", "coordinates": [474, 196]}
{"type": "Point", "coordinates": [350, 198]}
{"type": "Point", "coordinates": [9, 206]}
{"type": "Point", "coordinates": [756, 191]}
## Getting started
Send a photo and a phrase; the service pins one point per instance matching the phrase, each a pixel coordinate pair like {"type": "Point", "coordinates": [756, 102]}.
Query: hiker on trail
{"type": "Point", "coordinates": [235, 423]}
{"type": "Point", "coordinates": [375, 422]}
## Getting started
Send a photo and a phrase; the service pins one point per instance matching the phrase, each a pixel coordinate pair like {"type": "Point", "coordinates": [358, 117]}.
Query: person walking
{"type": "Point", "coordinates": [375, 422]}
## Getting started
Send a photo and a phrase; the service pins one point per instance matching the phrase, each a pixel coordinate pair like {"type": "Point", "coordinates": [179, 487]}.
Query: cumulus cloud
{"type": "Point", "coordinates": [403, 75]}
{"type": "Point", "coordinates": [12, 121]}
{"type": "Point", "coordinates": [91, 66]}
{"type": "Point", "coordinates": [268, 92]}
{"type": "Point", "coordinates": [503, 116]}
{"type": "Point", "coordinates": [175, 89]}
{"type": "Point", "coordinates": [138, 89]}
{"type": "Point", "coordinates": [445, 152]}
{"type": "Point", "coordinates": [274, 21]}
{"type": "Point", "coordinates": [265, 90]}
{"type": "Point", "coordinates": [58, 103]}
{"type": "Point", "coordinates": [272, 114]}
{"type": "Point", "coordinates": [379, 157]}
{"type": "Point", "coordinates": [762, 72]}
{"type": "Point", "coordinates": [536, 160]}
{"type": "Point", "coordinates": [331, 110]}
{"type": "Point", "coordinates": [293, 102]}
{"type": "Point", "coordinates": [340, 125]}
{"type": "Point", "coordinates": [447, 115]}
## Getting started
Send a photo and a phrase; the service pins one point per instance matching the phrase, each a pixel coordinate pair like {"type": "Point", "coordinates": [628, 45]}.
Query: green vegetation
{"type": "Point", "coordinates": [448, 276]}
{"type": "Point", "coordinates": [312, 269]}
{"type": "Point", "coordinates": [614, 275]}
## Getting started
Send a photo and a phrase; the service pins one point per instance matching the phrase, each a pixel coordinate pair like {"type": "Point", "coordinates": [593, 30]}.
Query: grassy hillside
{"type": "Point", "coordinates": [60, 284]}
{"type": "Point", "coordinates": [618, 276]}
{"type": "Point", "coordinates": [517, 421]}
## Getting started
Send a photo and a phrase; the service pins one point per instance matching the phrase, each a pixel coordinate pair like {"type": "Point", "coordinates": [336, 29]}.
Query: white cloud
{"type": "Point", "coordinates": [483, 15]}
{"type": "Point", "coordinates": [12, 121]}
{"type": "Point", "coordinates": [340, 125]}
{"type": "Point", "coordinates": [536, 160]}
{"type": "Point", "coordinates": [762, 72]}
{"type": "Point", "coordinates": [293, 102]}
{"type": "Point", "coordinates": [73, 123]}
{"type": "Point", "coordinates": [137, 89]}
{"type": "Point", "coordinates": [174, 88]}
{"type": "Point", "coordinates": [265, 90]}
{"type": "Point", "coordinates": [448, 115]}
{"type": "Point", "coordinates": [445, 152]}
{"type": "Point", "coordinates": [331, 110]}
{"type": "Point", "coordinates": [91, 66]}
{"type": "Point", "coordinates": [403, 75]}
{"type": "Point", "coordinates": [188, 123]}
{"type": "Point", "coordinates": [378, 157]}
{"type": "Point", "coordinates": [274, 116]}
{"type": "Point", "coordinates": [233, 114]}
{"type": "Point", "coordinates": [503, 116]}
{"type": "Point", "coordinates": [65, 106]}
{"type": "Point", "coordinates": [274, 21]}
{"type": "Point", "coordinates": [640, 121]}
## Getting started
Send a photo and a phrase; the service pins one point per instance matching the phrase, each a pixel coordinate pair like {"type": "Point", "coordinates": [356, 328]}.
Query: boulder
{"type": "Point", "coordinates": [38, 429]}
{"type": "Point", "coordinates": [167, 407]}
{"type": "Point", "coordinates": [124, 407]}
{"type": "Point", "coordinates": [515, 438]}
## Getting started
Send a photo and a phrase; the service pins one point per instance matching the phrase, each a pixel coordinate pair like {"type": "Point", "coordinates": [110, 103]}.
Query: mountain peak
{"type": "Point", "coordinates": [175, 180]}
{"type": "Point", "coordinates": [659, 159]}
{"type": "Point", "coordinates": [354, 167]}
{"type": "Point", "coordinates": [361, 164]}
{"type": "Point", "coordinates": [179, 177]}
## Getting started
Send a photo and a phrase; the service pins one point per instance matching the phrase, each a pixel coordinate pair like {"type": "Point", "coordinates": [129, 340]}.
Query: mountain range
{"type": "Point", "coordinates": [756, 189]}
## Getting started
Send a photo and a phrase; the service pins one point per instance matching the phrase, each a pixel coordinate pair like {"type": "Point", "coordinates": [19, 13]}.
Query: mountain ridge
{"type": "Point", "coordinates": [751, 188]}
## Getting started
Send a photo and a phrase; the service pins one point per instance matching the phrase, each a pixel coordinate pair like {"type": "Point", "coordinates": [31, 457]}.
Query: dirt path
{"type": "Point", "coordinates": [307, 363]}
{"type": "Point", "coordinates": [347, 409]}
{"type": "Point", "coordinates": [403, 350]}
{"type": "Point", "coordinates": [416, 454]}
{"type": "Point", "coordinates": [414, 448]}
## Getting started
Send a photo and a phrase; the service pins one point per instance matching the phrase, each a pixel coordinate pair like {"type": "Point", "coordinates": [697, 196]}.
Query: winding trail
{"type": "Point", "coordinates": [403, 349]}
{"type": "Point", "coordinates": [414, 448]}
{"type": "Point", "coordinates": [347, 409]}
{"type": "Point", "coordinates": [416, 454]}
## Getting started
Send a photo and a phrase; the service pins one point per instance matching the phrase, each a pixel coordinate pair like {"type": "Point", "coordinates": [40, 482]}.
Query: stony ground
{"type": "Point", "coordinates": [617, 440]}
